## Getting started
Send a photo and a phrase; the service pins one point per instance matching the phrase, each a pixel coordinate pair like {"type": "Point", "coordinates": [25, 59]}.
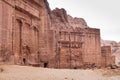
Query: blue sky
{"type": "Point", "coordinates": [103, 14]}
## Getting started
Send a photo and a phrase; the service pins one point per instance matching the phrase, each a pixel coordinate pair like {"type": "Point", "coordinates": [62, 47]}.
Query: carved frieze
{"type": "Point", "coordinates": [26, 7]}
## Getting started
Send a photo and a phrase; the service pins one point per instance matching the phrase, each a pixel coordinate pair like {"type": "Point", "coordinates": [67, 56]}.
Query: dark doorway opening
{"type": "Point", "coordinates": [45, 65]}
{"type": "Point", "coordinates": [24, 61]}
{"type": "Point", "coordinates": [75, 67]}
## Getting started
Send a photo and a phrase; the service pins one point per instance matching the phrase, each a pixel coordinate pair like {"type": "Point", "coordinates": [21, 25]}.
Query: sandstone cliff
{"type": "Point", "coordinates": [24, 28]}
{"type": "Point", "coordinates": [61, 19]}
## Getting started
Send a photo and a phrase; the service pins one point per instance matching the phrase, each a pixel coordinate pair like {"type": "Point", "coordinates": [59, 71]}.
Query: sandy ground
{"type": "Point", "coordinates": [14, 72]}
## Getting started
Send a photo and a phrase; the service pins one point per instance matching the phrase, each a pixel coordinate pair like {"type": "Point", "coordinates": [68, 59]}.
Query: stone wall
{"type": "Point", "coordinates": [69, 45]}
{"type": "Point", "coordinates": [75, 48]}
{"type": "Point", "coordinates": [115, 49]}
{"type": "Point", "coordinates": [6, 30]}
{"type": "Point", "coordinates": [107, 58]}
{"type": "Point", "coordinates": [24, 28]}
{"type": "Point", "coordinates": [92, 48]}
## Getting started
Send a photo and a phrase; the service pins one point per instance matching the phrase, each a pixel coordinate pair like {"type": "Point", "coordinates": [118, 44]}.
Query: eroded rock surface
{"type": "Point", "coordinates": [62, 20]}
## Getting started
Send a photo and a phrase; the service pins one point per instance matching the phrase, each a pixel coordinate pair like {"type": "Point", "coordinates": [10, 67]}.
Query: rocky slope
{"type": "Point", "coordinates": [114, 45]}
{"type": "Point", "coordinates": [63, 20]}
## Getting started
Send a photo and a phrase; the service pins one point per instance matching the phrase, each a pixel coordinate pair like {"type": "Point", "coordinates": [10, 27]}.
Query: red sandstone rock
{"type": "Point", "coordinates": [62, 20]}
{"type": "Point", "coordinates": [32, 34]}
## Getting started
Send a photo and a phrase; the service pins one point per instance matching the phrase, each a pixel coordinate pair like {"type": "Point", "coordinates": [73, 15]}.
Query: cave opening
{"type": "Point", "coordinates": [45, 65]}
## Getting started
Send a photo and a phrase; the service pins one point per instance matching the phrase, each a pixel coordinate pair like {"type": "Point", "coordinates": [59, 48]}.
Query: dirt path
{"type": "Point", "coordinates": [13, 72]}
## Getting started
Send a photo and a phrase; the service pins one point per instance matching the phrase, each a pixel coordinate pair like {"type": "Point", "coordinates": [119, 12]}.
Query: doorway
{"type": "Point", "coordinates": [24, 61]}
{"type": "Point", "coordinates": [45, 65]}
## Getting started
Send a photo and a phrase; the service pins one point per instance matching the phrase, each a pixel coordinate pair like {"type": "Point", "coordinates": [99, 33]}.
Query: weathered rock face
{"type": "Point", "coordinates": [32, 34]}
{"type": "Point", "coordinates": [115, 47]}
{"type": "Point", "coordinates": [76, 44]}
{"type": "Point", "coordinates": [77, 22]}
{"type": "Point", "coordinates": [107, 58]}
{"type": "Point", "coordinates": [62, 20]}
{"type": "Point", "coordinates": [60, 15]}
{"type": "Point", "coordinates": [23, 31]}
